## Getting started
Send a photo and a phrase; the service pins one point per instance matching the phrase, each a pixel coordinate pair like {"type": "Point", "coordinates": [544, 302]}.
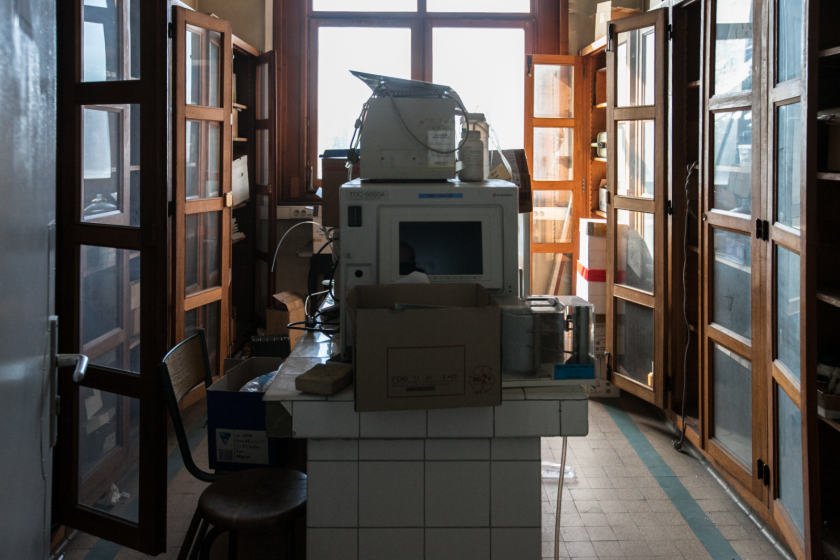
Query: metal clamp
{"type": "Point", "coordinates": [78, 360]}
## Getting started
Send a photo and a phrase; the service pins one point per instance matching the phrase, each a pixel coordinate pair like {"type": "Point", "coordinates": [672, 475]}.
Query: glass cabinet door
{"type": "Point", "coordinates": [636, 213]}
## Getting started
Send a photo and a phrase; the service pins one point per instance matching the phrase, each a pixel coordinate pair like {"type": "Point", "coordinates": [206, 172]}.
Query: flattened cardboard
{"type": "Point", "coordinates": [325, 379]}
{"type": "Point", "coordinates": [333, 175]}
{"type": "Point", "coordinates": [287, 308]}
{"type": "Point", "coordinates": [414, 359]}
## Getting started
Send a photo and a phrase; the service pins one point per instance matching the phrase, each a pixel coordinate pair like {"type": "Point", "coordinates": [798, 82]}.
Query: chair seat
{"type": "Point", "coordinates": [254, 499]}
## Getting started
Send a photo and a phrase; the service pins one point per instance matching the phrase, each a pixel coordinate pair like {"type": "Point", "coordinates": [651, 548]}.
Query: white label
{"type": "Point", "coordinates": [443, 140]}
{"type": "Point", "coordinates": [242, 446]}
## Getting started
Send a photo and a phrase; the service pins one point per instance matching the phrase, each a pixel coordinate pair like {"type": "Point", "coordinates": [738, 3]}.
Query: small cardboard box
{"type": "Point", "coordinates": [236, 437]}
{"type": "Point", "coordinates": [445, 356]}
{"type": "Point", "coordinates": [334, 173]}
{"type": "Point", "coordinates": [287, 308]}
{"type": "Point", "coordinates": [610, 11]}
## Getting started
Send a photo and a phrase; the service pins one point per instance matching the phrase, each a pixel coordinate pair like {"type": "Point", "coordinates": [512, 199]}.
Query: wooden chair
{"type": "Point", "coordinates": [251, 501]}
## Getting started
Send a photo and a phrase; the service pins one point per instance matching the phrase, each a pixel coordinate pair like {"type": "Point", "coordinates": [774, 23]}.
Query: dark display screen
{"type": "Point", "coordinates": [441, 248]}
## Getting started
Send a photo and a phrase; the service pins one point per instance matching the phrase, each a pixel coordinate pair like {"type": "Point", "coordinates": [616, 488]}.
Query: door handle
{"type": "Point", "coordinates": [78, 360]}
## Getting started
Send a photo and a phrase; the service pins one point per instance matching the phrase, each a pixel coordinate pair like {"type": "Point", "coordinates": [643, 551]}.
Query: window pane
{"type": "Point", "coordinates": [262, 106]}
{"type": "Point", "coordinates": [492, 83]}
{"type": "Point", "coordinates": [789, 158]}
{"type": "Point", "coordinates": [364, 6]}
{"type": "Point", "coordinates": [634, 341]}
{"type": "Point", "coordinates": [552, 274]}
{"type": "Point", "coordinates": [109, 451]}
{"type": "Point", "coordinates": [262, 230]}
{"type": "Point", "coordinates": [203, 52]}
{"type": "Point", "coordinates": [635, 250]}
{"type": "Point", "coordinates": [733, 46]}
{"type": "Point", "coordinates": [636, 158]}
{"type": "Point", "coordinates": [203, 148]}
{"type": "Point", "coordinates": [787, 310]}
{"type": "Point", "coordinates": [203, 255]}
{"type": "Point", "coordinates": [554, 91]}
{"type": "Point", "coordinates": [732, 282]}
{"type": "Point", "coordinates": [206, 317]}
{"type": "Point", "coordinates": [790, 460]}
{"type": "Point", "coordinates": [552, 210]}
{"type": "Point", "coordinates": [636, 67]}
{"type": "Point", "coordinates": [111, 45]}
{"type": "Point", "coordinates": [263, 146]}
{"type": "Point", "coordinates": [111, 164]}
{"type": "Point", "coordinates": [790, 40]}
{"type": "Point", "coordinates": [553, 154]}
{"type": "Point", "coordinates": [340, 94]}
{"type": "Point", "coordinates": [486, 6]}
{"type": "Point", "coordinates": [733, 161]}
{"type": "Point", "coordinates": [733, 403]}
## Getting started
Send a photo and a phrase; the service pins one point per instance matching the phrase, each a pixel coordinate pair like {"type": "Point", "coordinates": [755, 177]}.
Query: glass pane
{"type": "Point", "coordinates": [787, 310]}
{"type": "Point", "coordinates": [486, 6]}
{"type": "Point", "coordinates": [790, 40]}
{"type": "Point", "coordinates": [732, 282]}
{"type": "Point", "coordinates": [790, 460]}
{"type": "Point", "coordinates": [493, 83]}
{"type": "Point", "coordinates": [789, 158]}
{"type": "Point", "coordinates": [203, 254]}
{"type": "Point", "coordinates": [110, 287]}
{"type": "Point", "coordinates": [552, 274]}
{"type": "Point", "coordinates": [733, 403]}
{"type": "Point", "coordinates": [111, 45]}
{"type": "Point", "coordinates": [554, 91]}
{"type": "Point", "coordinates": [263, 145]}
{"type": "Point", "coordinates": [206, 317]}
{"type": "Point", "coordinates": [733, 161]}
{"type": "Point", "coordinates": [203, 150]}
{"type": "Point", "coordinates": [636, 84]}
{"type": "Point", "coordinates": [262, 106]}
{"type": "Point", "coordinates": [203, 51]}
{"type": "Point", "coordinates": [262, 233]}
{"type": "Point", "coordinates": [635, 250]}
{"type": "Point", "coordinates": [634, 341]}
{"type": "Point", "coordinates": [262, 292]}
{"type": "Point", "coordinates": [364, 6]}
{"type": "Point", "coordinates": [733, 46]}
{"type": "Point", "coordinates": [552, 210]}
{"type": "Point", "coordinates": [635, 158]}
{"type": "Point", "coordinates": [109, 451]}
{"type": "Point", "coordinates": [553, 154]}
{"type": "Point", "coordinates": [340, 94]}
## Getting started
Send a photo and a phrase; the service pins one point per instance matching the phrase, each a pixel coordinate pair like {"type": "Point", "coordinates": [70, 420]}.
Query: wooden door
{"type": "Point", "coordinates": [732, 345]}
{"type": "Point", "coordinates": [202, 163]}
{"type": "Point", "coordinates": [555, 144]}
{"type": "Point", "coordinates": [112, 180]}
{"type": "Point", "coordinates": [637, 103]}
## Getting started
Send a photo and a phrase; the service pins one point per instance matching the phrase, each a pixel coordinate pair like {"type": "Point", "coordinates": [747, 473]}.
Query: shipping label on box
{"type": "Point", "coordinates": [242, 446]}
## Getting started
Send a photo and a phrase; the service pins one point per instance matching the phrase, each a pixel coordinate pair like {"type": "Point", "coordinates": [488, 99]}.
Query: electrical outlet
{"type": "Point", "coordinates": [294, 212]}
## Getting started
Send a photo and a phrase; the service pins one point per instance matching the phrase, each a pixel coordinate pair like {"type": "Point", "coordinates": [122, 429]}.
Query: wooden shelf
{"type": "Point", "coordinates": [599, 45]}
{"type": "Point", "coordinates": [604, 69]}
{"type": "Point", "coordinates": [600, 106]}
{"type": "Point", "coordinates": [829, 296]}
{"type": "Point", "coordinates": [692, 328]}
{"type": "Point", "coordinates": [239, 106]}
{"type": "Point", "coordinates": [833, 423]}
{"type": "Point", "coordinates": [692, 85]}
{"type": "Point", "coordinates": [243, 238]}
{"type": "Point", "coordinates": [694, 249]}
{"type": "Point", "coordinates": [602, 159]}
{"type": "Point", "coordinates": [602, 214]}
{"type": "Point", "coordinates": [240, 139]}
{"type": "Point", "coordinates": [737, 266]}
{"type": "Point", "coordinates": [829, 52]}
{"type": "Point", "coordinates": [240, 205]}
{"type": "Point", "coordinates": [828, 176]}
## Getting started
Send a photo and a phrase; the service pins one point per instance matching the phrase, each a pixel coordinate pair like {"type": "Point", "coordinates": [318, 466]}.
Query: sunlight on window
{"type": "Point", "coordinates": [340, 94]}
{"type": "Point", "coordinates": [486, 68]}
{"type": "Point", "coordinates": [365, 5]}
{"type": "Point", "coordinates": [486, 6]}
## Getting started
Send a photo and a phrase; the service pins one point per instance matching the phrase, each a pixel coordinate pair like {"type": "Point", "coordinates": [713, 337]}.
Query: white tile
{"type": "Point", "coordinates": [461, 422]}
{"type": "Point", "coordinates": [515, 449]}
{"type": "Point", "coordinates": [332, 493]}
{"type": "Point", "coordinates": [288, 406]}
{"type": "Point", "coordinates": [457, 449]}
{"type": "Point", "coordinates": [325, 420]}
{"type": "Point", "coordinates": [331, 544]}
{"type": "Point", "coordinates": [394, 424]}
{"type": "Point", "coordinates": [556, 393]}
{"type": "Point", "coordinates": [457, 494]}
{"type": "Point", "coordinates": [391, 494]}
{"type": "Point", "coordinates": [332, 450]}
{"type": "Point", "coordinates": [528, 418]}
{"type": "Point", "coordinates": [391, 450]}
{"type": "Point", "coordinates": [513, 394]}
{"type": "Point", "coordinates": [574, 418]}
{"type": "Point", "coordinates": [391, 544]}
{"type": "Point", "coordinates": [516, 493]}
{"type": "Point", "coordinates": [460, 544]}
{"type": "Point", "coordinates": [506, 544]}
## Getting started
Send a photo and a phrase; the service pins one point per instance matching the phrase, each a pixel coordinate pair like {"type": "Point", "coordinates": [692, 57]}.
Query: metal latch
{"type": "Point", "coordinates": [80, 361]}
{"type": "Point", "coordinates": [228, 200]}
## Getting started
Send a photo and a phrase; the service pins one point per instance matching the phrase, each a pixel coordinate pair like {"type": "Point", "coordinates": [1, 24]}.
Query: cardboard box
{"type": "Point", "coordinates": [236, 436]}
{"type": "Point", "coordinates": [521, 175]}
{"type": "Point", "coordinates": [333, 175]}
{"type": "Point", "coordinates": [611, 11]}
{"type": "Point", "coordinates": [592, 264]}
{"type": "Point", "coordinates": [287, 308]}
{"type": "Point", "coordinates": [414, 359]}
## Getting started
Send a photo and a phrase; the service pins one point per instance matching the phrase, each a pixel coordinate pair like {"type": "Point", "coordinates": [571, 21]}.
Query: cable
{"type": "Point", "coordinates": [454, 98]}
{"type": "Point", "coordinates": [332, 280]}
{"type": "Point", "coordinates": [273, 262]}
{"type": "Point", "coordinates": [689, 170]}
{"type": "Point", "coordinates": [309, 276]}
{"type": "Point", "coordinates": [559, 500]}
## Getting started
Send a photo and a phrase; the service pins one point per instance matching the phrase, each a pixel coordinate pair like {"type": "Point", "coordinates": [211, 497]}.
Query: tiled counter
{"type": "Point", "coordinates": [427, 484]}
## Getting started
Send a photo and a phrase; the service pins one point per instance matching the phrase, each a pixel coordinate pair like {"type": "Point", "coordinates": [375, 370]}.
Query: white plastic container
{"type": "Point", "coordinates": [474, 157]}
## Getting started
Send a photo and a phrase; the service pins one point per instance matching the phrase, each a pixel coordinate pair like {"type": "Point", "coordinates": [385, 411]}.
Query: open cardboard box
{"type": "Point", "coordinates": [416, 358]}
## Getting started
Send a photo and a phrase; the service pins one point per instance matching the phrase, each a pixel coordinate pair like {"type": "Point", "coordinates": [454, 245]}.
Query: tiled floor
{"type": "Point", "coordinates": [614, 507]}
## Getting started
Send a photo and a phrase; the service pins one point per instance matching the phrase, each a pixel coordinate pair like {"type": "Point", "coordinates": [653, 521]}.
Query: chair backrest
{"type": "Point", "coordinates": [182, 369]}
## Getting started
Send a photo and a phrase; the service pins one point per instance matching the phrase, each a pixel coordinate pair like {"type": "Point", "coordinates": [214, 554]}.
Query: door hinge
{"type": "Point", "coordinates": [171, 30]}
{"type": "Point", "coordinates": [530, 62]}
{"type": "Point", "coordinates": [762, 472]}
{"type": "Point", "coordinates": [583, 186]}
{"type": "Point", "coordinates": [609, 366]}
{"type": "Point", "coordinates": [765, 231]}
{"type": "Point", "coordinates": [609, 37]}
{"type": "Point", "coordinates": [170, 208]}
{"type": "Point", "coordinates": [671, 383]}
{"type": "Point", "coordinates": [669, 207]}
{"type": "Point", "coordinates": [762, 229]}
{"type": "Point", "coordinates": [670, 32]}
